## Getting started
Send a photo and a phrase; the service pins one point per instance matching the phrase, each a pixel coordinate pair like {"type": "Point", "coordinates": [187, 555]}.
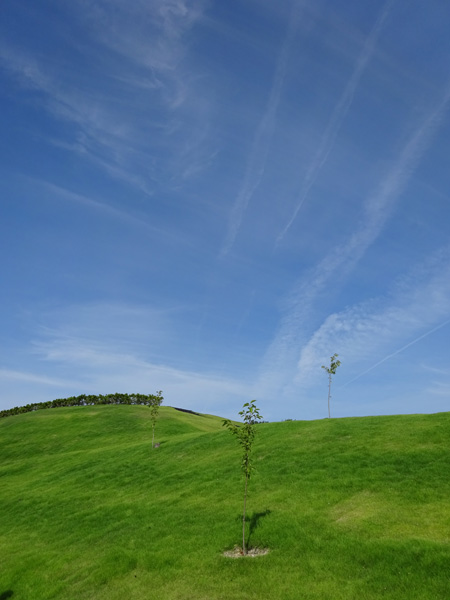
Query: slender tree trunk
{"type": "Point", "coordinates": [153, 436]}
{"type": "Point", "coordinates": [244, 548]}
{"type": "Point", "coordinates": [329, 394]}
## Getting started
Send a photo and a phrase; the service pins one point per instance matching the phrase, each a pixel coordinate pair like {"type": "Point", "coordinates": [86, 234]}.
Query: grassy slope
{"type": "Point", "coordinates": [351, 508]}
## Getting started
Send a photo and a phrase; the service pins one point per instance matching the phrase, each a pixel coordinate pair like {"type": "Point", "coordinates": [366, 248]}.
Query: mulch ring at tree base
{"type": "Point", "coordinates": [251, 552]}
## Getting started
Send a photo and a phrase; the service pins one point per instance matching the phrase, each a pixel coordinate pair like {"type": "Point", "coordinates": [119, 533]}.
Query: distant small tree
{"type": "Point", "coordinates": [155, 403]}
{"type": "Point", "coordinates": [331, 370]}
{"type": "Point", "coordinates": [245, 434]}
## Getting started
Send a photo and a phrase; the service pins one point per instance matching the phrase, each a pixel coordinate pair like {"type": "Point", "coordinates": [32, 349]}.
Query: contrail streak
{"type": "Point", "coordinates": [260, 148]}
{"type": "Point", "coordinates": [338, 116]}
{"type": "Point", "coordinates": [340, 262]}
{"type": "Point", "coordinates": [421, 337]}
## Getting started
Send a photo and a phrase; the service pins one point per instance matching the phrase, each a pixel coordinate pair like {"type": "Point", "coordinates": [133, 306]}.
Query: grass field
{"type": "Point", "coordinates": [350, 508]}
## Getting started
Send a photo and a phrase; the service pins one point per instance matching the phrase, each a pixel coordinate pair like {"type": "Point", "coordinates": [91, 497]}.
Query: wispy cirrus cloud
{"type": "Point", "coordinates": [90, 111]}
{"type": "Point", "coordinates": [134, 107]}
{"type": "Point", "coordinates": [400, 350]}
{"type": "Point", "coordinates": [339, 263]}
{"type": "Point", "coordinates": [256, 162]}
{"type": "Point", "coordinates": [148, 33]}
{"type": "Point", "coordinates": [339, 113]}
{"type": "Point", "coordinates": [149, 37]}
{"type": "Point", "coordinates": [377, 331]}
{"type": "Point", "coordinates": [102, 207]}
{"type": "Point", "coordinates": [26, 377]}
{"type": "Point", "coordinates": [98, 368]}
{"type": "Point", "coordinates": [439, 388]}
{"type": "Point", "coordinates": [116, 347]}
{"type": "Point", "coordinates": [100, 132]}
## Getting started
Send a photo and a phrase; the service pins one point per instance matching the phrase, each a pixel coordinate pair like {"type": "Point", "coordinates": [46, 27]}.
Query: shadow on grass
{"type": "Point", "coordinates": [253, 522]}
{"type": "Point", "coordinates": [6, 595]}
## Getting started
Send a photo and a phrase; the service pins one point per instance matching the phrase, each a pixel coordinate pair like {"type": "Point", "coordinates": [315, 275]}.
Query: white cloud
{"type": "Point", "coordinates": [101, 368]}
{"type": "Point", "coordinates": [26, 377]}
{"type": "Point", "coordinates": [256, 163]}
{"type": "Point", "coordinates": [339, 113]}
{"type": "Point", "coordinates": [125, 216]}
{"type": "Point", "coordinates": [137, 99]}
{"type": "Point", "coordinates": [101, 348]}
{"type": "Point", "coordinates": [147, 33]}
{"type": "Point", "coordinates": [338, 264]}
{"type": "Point", "coordinates": [377, 331]}
{"type": "Point", "coordinates": [439, 388]}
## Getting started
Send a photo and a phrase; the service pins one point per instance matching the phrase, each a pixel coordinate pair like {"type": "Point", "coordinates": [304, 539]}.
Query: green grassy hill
{"type": "Point", "coordinates": [350, 508]}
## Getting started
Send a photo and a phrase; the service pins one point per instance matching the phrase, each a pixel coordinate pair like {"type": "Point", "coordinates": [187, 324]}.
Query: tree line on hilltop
{"type": "Point", "coordinates": [86, 400]}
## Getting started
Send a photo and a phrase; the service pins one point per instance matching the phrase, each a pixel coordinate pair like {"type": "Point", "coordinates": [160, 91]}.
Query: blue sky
{"type": "Point", "coordinates": [212, 198]}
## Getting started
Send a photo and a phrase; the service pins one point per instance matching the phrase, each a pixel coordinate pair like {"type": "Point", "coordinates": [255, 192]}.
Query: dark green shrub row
{"type": "Point", "coordinates": [83, 400]}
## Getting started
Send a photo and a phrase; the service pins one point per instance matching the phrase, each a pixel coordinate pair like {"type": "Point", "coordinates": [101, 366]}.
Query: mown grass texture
{"type": "Point", "coordinates": [350, 508]}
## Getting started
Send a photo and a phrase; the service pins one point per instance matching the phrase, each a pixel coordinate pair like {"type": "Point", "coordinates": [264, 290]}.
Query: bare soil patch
{"type": "Point", "coordinates": [251, 552]}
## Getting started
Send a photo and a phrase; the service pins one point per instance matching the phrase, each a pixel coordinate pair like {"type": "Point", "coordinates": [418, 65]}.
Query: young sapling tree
{"type": "Point", "coordinates": [245, 434]}
{"type": "Point", "coordinates": [155, 403]}
{"type": "Point", "coordinates": [331, 370]}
